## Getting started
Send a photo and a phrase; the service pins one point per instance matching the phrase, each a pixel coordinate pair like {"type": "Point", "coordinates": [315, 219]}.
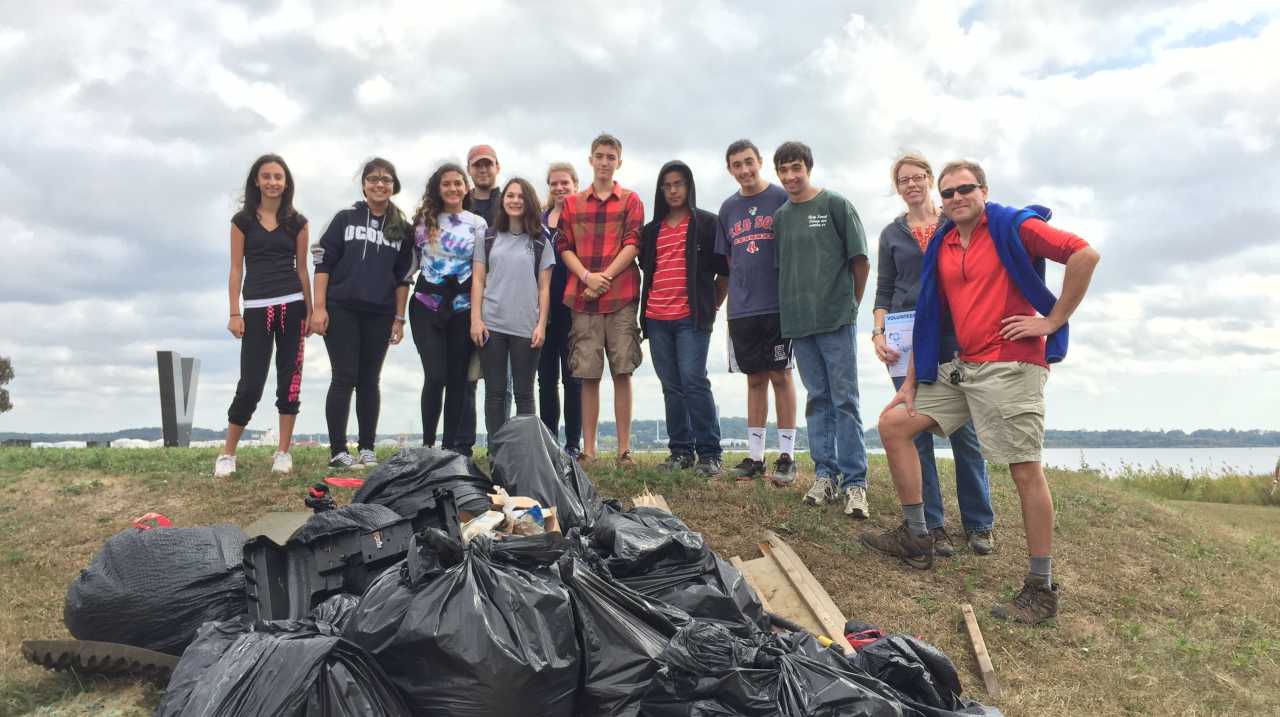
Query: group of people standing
{"type": "Point", "coordinates": [497, 286]}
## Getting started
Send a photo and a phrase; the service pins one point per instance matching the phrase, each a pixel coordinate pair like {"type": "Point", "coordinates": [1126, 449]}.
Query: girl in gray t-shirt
{"type": "Point", "coordinates": [510, 301]}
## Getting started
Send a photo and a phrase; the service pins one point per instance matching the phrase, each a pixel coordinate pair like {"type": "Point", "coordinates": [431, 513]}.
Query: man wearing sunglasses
{"type": "Point", "coordinates": [986, 265]}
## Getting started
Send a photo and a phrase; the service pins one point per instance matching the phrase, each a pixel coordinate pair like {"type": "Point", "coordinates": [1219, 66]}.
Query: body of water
{"type": "Point", "coordinates": [1190, 461]}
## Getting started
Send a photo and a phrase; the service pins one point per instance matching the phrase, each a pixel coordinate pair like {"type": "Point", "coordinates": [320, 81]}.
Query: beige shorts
{"type": "Point", "coordinates": [1005, 399]}
{"type": "Point", "coordinates": [593, 336]}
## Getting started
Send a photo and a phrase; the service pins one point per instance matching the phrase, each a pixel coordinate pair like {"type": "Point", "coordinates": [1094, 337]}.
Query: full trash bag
{"type": "Point", "coordinates": [463, 632]}
{"type": "Point", "coordinates": [621, 632]}
{"type": "Point", "coordinates": [352, 518]}
{"type": "Point", "coordinates": [923, 676]}
{"type": "Point", "coordinates": [646, 552]}
{"type": "Point", "coordinates": [154, 588]}
{"type": "Point", "coordinates": [526, 461]}
{"type": "Point", "coordinates": [288, 668]}
{"type": "Point", "coordinates": [406, 482]}
{"type": "Point", "coordinates": [708, 671]}
{"type": "Point", "coordinates": [336, 610]}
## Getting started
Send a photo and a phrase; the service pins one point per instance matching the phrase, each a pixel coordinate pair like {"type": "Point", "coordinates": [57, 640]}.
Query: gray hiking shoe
{"type": "Point", "coordinates": [677, 462]}
{"type": "Point", "coordinates": [855, 502]}
{"type": "Point", "coordinates": [914, 550]}
{"type": "Point", "coordinates": [708, 467]}
{"type": "Point", "coordinates": [784, 471]}
{"type": "Point", "coordinates": [942, 545]}
{"type": "Point", "coordinates": [1035, 604]}
{"type": "Point", "coordinates": [981, 542]}
{"type": "Point", "coordinates": [822, 491]}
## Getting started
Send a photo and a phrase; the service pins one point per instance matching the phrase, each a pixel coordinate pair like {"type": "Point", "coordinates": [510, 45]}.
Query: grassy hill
{"type": "Point", "coordinates": [1169, 607]}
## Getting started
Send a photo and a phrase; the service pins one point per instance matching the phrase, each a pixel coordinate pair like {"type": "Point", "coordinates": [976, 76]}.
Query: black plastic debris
{"type": "Point", "coordinates": [292, 668]}
{"type": "Point", "coordinates": [621, 632]}
{"type": "Point", "coordinates": [353, 518]}
{"type": "Point", "coordinates": [526, 461]}
{"type": "Point", "coordinates": [154, 588]}
{"type": "Point", "coordinates": [923, 676]}
{"type": "Point", "coordinates": [464, 633]}
{"type": "Point", "coordinates": [336, 610]}
{"type": "Point", "coordinates": [411, 481]}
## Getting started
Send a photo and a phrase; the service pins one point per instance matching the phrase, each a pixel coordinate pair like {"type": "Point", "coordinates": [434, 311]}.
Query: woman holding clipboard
{"type": "Point", "coordinates": [902, 245]}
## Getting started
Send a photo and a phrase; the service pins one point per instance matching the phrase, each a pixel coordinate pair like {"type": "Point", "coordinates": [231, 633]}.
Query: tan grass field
{"type": "Point", "coordinates": [1168, 608]}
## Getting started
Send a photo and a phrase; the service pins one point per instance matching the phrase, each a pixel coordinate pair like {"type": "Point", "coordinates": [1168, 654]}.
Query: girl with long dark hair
{"type": "Point", "coordinates": [363, 265]}
{"type": "Point", "coordinates": [445, 237]}
{"type": "Point", "coordinates": [269, 267]}
{"type": "Point", "coordinates": [510, 298]}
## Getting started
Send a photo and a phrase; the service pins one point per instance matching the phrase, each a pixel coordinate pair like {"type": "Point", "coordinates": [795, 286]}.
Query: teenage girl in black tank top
{"type": "Point", "coordinates": [269, 267]}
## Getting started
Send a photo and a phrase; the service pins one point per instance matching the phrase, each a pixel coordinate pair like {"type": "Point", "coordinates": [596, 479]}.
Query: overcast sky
{"type": "Point", "coordinates": [128, 128]}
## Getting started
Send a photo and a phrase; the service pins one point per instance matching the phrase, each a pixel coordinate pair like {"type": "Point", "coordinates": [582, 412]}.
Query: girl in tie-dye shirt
{"type": "Point", "coordinates": [445, 237]}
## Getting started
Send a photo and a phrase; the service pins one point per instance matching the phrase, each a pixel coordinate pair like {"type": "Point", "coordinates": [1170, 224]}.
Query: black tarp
{"type": "Point", "coordinates": [406, 482]}
{"type": "Point", "coordinates": [463, 632]}
{"type": "Point", "coordinates": [353, 518]}
{"type": "Point", "coordinates": [154, 588]}
{"type": "Point", "coordinates": [285, 668]}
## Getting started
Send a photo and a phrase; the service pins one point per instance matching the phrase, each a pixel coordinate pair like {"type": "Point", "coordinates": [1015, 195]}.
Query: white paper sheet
{"type": "Point", "coordinates": [897, 335]}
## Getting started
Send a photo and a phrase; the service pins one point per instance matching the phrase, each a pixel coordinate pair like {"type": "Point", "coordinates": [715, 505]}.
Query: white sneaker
{"type": "Point", "coordinates": [224, 466]}
{"type": "Point", "coordinates": [821, 492]}
{"type": "Point", "coordinates": [367, 459]}
{"type": "Point", "coordinates": [855, 502]}
{"type": "Point", "coordinates": [282, 463]}
{"type": "Point", "coordinates": [342, 460]}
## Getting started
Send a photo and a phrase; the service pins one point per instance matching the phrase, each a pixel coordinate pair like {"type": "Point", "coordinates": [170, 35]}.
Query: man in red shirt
{"type": "Point", "coordinates": [599, 240]}
{"type": "Point", "coordinates": [997, 379]}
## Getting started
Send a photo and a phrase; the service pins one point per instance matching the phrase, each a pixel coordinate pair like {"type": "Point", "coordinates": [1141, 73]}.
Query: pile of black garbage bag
{"type": "Point", "coordinates": [626, 613]}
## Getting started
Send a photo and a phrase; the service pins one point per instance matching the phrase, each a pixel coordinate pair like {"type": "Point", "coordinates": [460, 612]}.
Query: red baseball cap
{"type": "Point", "coordinates": [481, 151]}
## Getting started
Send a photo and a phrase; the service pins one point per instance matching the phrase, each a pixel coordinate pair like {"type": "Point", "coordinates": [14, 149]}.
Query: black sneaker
{"type": "Point", "coordinates": [748, 469]}
{"type": "Point", "coordinates": [784, 471]}
{"type": "Point", "coordinates": [342, 461]}
{"type": "Point", "coordinates": [708, 467]}
{"type": "Point", "coordinates": [677, 462]}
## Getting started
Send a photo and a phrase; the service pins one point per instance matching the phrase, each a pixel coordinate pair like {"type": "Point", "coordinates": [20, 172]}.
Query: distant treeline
{"type": "Point", "coordinates": [652, 434]}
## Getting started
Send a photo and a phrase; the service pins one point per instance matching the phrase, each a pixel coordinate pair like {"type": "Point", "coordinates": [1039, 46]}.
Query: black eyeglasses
{"type": "Point", "coordinates": [920, 178]}
{"type": "Point", "coordinates": [379, 179]}
{"type": "Point", "coordinates": [963, 189]}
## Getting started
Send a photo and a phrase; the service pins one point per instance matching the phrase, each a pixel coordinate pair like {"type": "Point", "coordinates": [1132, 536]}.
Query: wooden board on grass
{"type": "Point", "coordinates": [980, 652]}
{"type": "Point", "coordinates": [787, 588]}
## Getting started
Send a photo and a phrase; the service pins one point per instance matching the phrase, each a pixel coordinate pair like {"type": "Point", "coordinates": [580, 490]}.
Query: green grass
{"type": "Point", "coordinates": [1202, 486]}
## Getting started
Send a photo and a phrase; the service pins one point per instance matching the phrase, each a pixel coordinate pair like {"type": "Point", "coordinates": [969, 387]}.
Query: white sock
{"type": "Point", "coordinates": [787, 441]}
{"type": "Point", "coordinates": [755, 443]}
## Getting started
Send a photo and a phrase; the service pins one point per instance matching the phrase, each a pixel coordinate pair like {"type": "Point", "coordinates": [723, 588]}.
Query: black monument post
{"type": "Point", "coordinates": [178, 380]}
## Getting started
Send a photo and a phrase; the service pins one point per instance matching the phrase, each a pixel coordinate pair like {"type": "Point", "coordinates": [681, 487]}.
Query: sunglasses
{"type": "Point", "coordinates": [963, 189]}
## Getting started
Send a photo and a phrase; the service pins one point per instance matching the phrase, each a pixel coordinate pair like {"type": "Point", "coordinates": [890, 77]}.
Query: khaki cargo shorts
{"type": "Point", "coordinates": [1005, 399]}
{"type": "Point", "coordinates": [593, 336]}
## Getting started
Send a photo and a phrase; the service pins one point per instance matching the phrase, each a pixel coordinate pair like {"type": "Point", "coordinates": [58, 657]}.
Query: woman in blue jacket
{"type": "Point", "coordinates": [363, 263]}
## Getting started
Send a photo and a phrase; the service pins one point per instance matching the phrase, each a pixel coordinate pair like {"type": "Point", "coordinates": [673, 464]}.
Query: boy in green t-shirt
{"type": "Point", "coordinates": [822, 271]}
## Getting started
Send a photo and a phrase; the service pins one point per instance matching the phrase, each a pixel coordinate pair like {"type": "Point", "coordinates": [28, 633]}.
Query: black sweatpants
{"type": "Point", "coordinates": [285, 326]}
{"type": "Point", "coordinates": [494, 357]}
{"type": "Point", "coordinates": [357, 343]}
{"type": "Point", "coordinates": [553, 368]}
{"type": "Point", "coordinates": [445, 350]}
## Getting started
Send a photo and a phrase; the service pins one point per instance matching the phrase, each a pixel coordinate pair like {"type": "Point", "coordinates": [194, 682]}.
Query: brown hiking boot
{"type": "Point", "coordinates": [981, 542]}
{"type": "Point", "coordinates": [1035, 604]}
{"type": "Point", "coordinates": [942, 545]}
{"type": "Point", "coordinates": [916, 551]}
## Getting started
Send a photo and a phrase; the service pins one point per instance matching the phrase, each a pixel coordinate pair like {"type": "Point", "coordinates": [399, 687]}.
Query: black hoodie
{"type": "Point", "coordinates": [364, 264]}
{"type": "Point", "coordinates": [701, 261]}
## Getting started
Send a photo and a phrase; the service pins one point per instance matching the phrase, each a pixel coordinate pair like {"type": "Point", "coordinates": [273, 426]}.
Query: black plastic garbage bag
{"type": "Point", "coordinates": [291, 668]}
{"type": "Point", "coordinates": [526, 460]}
{"type": "Point", "coordinates": [154, 588]}
{"type": "Point", "coordinates": [356, 517]}
{"type": "Point", "coordinates": [462, 633]}
{"type": "Point", "coordinates": [406, 482]}
{"type": "Point", "coordinates": [336, 610]}
{"type": "Point", "coordinates": [924, 677]}
{"type": "Point", "coordinates": [708, 671]}
{"type": "Point", "coordinates": [677, 567]}
{"type": "Point", "coordinates": [621, 632]}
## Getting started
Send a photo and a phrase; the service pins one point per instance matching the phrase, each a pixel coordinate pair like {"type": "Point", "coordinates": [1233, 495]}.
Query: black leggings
{"type": "Point", "coordinates": [494, 357]}
{"type": "Point", "coordinates": [285, 325]}
{"type": "Point", "coordinates": [553, 366]}
{"type": "Point", "coordinates": [445, 350]}
{"type": "Point", "coordinates": [357, 342]}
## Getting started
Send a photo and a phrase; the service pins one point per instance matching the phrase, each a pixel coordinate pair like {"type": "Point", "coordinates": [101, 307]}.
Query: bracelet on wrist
{"type": "Point", "coordinates": [399, 318]}
{"type": "Point", "coordinates": [234, 315]}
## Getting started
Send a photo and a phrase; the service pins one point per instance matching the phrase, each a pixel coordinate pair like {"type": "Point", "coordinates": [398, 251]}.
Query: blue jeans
{"type": "Point", "coordinates": [973, 492]}
{"type": "Point", "coordinates": [828, 366]}
{"type": "Point", "coordinates": [678, 351]}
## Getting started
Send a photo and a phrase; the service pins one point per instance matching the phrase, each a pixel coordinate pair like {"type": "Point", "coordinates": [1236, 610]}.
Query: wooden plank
{"type": "Point", "coordinates": [738, 563]}
{"type": "Point", "coordinates": [980, 652]}
{"type": "Point", "coordinates": [651, 500]}
{"type": "Point", "coordinates": [823, 607]}
{"type": "Point", "coordinates": [772, 585]}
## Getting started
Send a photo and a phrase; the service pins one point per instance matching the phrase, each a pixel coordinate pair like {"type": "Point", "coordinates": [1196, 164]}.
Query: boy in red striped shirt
{"type": "Point", "coordinates": [684, 281]}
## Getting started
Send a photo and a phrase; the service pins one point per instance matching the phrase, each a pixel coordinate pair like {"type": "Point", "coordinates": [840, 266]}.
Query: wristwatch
{"type": "Point", "coordinates": [877, 331]}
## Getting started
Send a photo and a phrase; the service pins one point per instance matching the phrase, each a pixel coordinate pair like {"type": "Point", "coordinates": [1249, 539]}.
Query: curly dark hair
{"type": "Point", "coordinates": [432, 203]}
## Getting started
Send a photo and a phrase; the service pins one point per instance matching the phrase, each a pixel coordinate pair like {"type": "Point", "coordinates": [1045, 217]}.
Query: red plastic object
{"type": "Point", "coordinates": [343, 482]}
{"type": "Point", "coordinates": [859, 640]}
{"type": "Point", "coordinates": [152, 520]}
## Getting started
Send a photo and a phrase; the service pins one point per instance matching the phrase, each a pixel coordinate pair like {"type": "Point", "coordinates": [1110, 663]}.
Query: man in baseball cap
{"type": "Point", "coordinates": [482, 165]}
